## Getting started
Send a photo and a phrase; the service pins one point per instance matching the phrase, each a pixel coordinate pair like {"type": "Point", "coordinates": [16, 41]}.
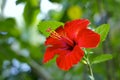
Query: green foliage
{"type": "Point", "coordinates": [44, 25]}
{"type": "Point", "coordinates": [101, 58]}
{"type": "Point", "coordinates": [7, 24]}
{"type": "Point", "coordinates": [57, 1]}
{"type": "Point", "coordinates": [20, 1]}
{"type": "Point", "coordinates": [31, 11]}
{"type": "Point", "coordinates": [103, 31]}
{"type": "Point", "coordinates": [55, 15]}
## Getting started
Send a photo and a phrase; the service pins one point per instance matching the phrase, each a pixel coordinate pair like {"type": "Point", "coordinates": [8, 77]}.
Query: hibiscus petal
{"type": "Point", "coordinates": [61, 55]}
{"type": "Point", "coordinates": [87, 38]}
{"type": "Point", "coordinates": [49, 54]}
{"type": "Point", "coordinates": [66, 61]}
{"type": "Point", "coordinates": [54, 42]}
{"type": "Point", "coordinates": [73, 27]}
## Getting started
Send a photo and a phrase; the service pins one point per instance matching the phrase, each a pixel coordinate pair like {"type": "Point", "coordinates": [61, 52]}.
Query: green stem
{"type": "Point", "coordinates": [90, 69]}
{"type": "Point", "coordinates": [89, 65]}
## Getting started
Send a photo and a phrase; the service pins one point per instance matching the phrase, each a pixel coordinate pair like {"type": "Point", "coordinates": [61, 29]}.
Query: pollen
{"type": "Point", "coordinates": [54, 34]}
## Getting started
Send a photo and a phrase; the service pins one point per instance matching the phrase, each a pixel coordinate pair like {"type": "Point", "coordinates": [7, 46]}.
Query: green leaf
{"type": "Point", "coordinates": [44, 25]}
{"type": "Point", "coordinates": [103, 31]}
{"type": "Point", "coordinates": [101, 58]}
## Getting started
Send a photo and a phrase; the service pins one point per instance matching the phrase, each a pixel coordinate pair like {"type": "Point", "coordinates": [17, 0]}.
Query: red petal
{"type": "Point", "coordinates": [66, 61]}
{"type": "Point", "coordinates": [88, 39]}
{"type": "Point", "coordinates": [54, 42]}
{"type": "Point", "coordinates": [73, 27]}
{"type": "Point", "coordinates": [49, 54]}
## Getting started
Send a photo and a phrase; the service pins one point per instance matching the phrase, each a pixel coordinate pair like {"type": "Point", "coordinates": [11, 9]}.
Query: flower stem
{"type": "Point", "coordinates": [89, 65]}
{"type": "Point", "coordinates": [90, 69]}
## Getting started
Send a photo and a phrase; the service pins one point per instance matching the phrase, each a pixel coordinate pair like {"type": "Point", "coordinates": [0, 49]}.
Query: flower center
{"type": "Point", "coordinates": [70, 47]}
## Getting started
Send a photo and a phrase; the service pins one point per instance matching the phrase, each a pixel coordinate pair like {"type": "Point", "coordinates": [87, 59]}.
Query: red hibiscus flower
{"type": "Point", "coordinates": [67, 42]}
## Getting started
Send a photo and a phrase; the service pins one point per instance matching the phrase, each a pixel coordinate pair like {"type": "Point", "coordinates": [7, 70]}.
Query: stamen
{"type": "Point", "coordinates": [57, 36]}
{"type": "Point", "coordinates": [53, 34]}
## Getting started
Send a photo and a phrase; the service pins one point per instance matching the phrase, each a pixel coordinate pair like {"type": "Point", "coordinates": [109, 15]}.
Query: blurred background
{"type": "Point", "coordinates": [22, 45]}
